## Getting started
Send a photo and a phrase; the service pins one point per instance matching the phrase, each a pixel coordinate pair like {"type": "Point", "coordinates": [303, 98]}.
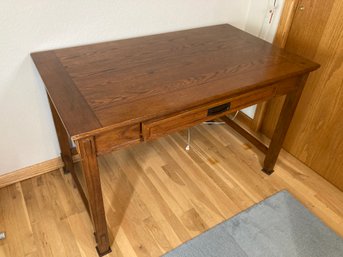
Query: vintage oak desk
{"type": "Point", "coordinates": [111, 95]}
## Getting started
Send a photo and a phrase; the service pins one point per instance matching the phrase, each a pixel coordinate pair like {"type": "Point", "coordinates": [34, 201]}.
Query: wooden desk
{"type": "Point", "coordinates": [111, 95]}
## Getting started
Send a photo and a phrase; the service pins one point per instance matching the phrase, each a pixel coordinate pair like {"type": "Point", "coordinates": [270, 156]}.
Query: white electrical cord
{"type": "Point", "coordinates": [188, 146]}
{"type": "Point", "coordinates": [2, 235]}
{"type": "Point", "coordinates": [234, 116]}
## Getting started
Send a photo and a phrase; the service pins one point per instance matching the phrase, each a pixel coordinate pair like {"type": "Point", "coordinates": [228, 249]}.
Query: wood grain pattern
{"type": "Point", "coordinates": [255, 123]}
{"type": "Point", "coordinates": [282, 126]}
{"type": "Point", "coordinates": [246, 134]}
{"type": "Point", "coordinates": [69, 104]}
{"type": "Point", "coordinates": [117, 138]}
{"type": "Point", "coordinates": [104, 94]}
{"type": "Point", "coordinates": [31, 171]}
{"type": "Point", "coordinates": [130, 81]}
{"type": "Point", "coordinates": [157, 196]}
{"type": "Point", "coordinates": [175, 122]}
{"type": "Point", "coordinates": [315, 134]}
{"type": "Point", "coordinates": [63, 139]}
{"type": "Point", "coordinates": [285, 23]}
{"type": "Point", "coordinates": [90, 170]}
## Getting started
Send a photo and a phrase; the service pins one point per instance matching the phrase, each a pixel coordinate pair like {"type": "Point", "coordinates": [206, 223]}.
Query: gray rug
{"type": "Point", "coordinates": [278, 226]}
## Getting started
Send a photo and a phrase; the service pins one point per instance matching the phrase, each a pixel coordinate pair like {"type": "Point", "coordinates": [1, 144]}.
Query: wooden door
{"type": "Point", "coordinates": [316, 133]}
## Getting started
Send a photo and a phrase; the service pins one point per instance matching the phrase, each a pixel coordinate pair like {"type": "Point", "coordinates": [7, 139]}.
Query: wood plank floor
{"type": "Point", "coordinates": [157, 196]}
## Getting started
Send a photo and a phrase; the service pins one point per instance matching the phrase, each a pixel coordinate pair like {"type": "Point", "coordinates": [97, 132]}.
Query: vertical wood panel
{"type": "Point", "coordinates": [285, 23]}
{"type": "Point", "coordinates": [280, 40]}
{"type": "Point", "coordinates": [91, 175]}
{"type": "Point", "coordinates": [315, 135]}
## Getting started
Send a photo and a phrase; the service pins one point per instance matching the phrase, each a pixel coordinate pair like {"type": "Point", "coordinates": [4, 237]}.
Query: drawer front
{"type": "Point", "coordinates": [252, 97]}
{"type": "Point", "coordinates": [117, 138]}
{"type": "Point", "coordinates": [157, 128]}
{"type": "Point", "coordinates": [165, 125]}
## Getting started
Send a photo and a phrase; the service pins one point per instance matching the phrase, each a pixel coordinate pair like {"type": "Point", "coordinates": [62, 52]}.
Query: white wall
{"type": "Point", "coordinates": [27, 131]}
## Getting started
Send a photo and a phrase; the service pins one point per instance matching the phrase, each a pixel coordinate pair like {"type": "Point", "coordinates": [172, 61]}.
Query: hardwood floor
{"type": "Point", "coordinates": [157, 196]}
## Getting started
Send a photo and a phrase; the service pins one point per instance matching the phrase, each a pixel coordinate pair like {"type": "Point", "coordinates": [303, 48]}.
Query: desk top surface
{"type": "Point", "coordinates": [133, 80]}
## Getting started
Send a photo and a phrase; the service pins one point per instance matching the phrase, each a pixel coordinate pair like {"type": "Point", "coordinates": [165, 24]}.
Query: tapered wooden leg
{"type": "Point", "coordinates": [64, 141]}
{"type": "Point", "coordinates": [282, 126]}
{"type": "Point", "coordinates": [93, 187]}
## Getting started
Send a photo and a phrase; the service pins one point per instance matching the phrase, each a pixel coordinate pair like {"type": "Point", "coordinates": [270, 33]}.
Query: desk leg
{"type": "Point", "coordinates": [95, 201]}
{"type": "Point", "coordinates": [282, 126]}
{"type": "Point", "coordinates": [63, 139]}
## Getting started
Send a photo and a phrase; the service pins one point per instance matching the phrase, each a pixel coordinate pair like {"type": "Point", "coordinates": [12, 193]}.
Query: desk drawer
{"type": "Point", "coordinates": [156, 128]}
{"type": "Point", "coordinates": [117, 138]}
{"type": "Point", "coordinates": [165, 125]}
